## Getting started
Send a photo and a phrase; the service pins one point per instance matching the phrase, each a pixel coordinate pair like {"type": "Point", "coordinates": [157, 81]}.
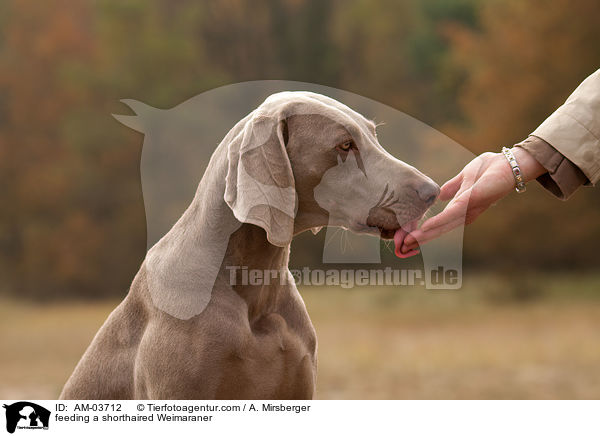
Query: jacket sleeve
{"type": "Point", "coordinates": [563, 177]}
{"type": "Point", "coordinates": [574, 128]}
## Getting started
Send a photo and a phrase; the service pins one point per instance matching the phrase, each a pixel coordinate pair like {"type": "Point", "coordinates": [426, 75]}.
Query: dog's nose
{"type": "Point", "coordinates": [428, 192]}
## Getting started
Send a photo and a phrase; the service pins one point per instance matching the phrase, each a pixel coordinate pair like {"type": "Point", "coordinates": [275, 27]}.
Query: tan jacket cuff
{"type": "Point", "coordinates": [563, 177]}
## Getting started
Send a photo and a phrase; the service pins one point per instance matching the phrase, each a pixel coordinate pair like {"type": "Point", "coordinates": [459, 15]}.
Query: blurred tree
{"type": "Point", "coordinates": [398, 53]}
{"type": "Point", "coordinates": [72, 218]}
{"type": "Point", "coordinates": [520, 65]}
{"type": "Point", "coordinates": [512, 76]}
{"type": "Point", "coordinates": [71, 215]}
{"type": "Point", "coordinates": [37, 167]}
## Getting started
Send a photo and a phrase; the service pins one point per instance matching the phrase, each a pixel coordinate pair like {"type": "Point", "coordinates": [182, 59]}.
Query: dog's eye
{"type": "Point", "coordinates": [346, 146]}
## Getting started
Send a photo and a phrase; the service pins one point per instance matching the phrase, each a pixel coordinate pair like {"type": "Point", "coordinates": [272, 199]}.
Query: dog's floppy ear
{"type": "Point", "coordinates": [259, 187]}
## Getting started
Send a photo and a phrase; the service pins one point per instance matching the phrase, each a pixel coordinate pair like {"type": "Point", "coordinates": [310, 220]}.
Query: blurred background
{"type": "Point", "coordinates": [72, 225]}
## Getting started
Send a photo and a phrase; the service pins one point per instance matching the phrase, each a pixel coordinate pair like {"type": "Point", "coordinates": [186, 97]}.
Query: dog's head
{"type": "Point", "coordinates": [302, 160]}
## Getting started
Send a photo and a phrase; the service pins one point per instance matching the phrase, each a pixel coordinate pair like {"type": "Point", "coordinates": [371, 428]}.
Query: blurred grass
{"type": "Point", "coordinates": [532, 336]}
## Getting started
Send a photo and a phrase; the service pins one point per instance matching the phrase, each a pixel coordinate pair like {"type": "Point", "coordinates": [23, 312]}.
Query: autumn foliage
{"type": "Point", "coordinates": [71, 215]}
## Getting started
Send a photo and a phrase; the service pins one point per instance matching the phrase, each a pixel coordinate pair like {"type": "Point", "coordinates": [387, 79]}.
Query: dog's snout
{"type": "Point", "coordinates": [428, 192]}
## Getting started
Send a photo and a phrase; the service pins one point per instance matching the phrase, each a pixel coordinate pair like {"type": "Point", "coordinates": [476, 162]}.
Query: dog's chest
{"type": "Point", "coordinates": [276, 362]}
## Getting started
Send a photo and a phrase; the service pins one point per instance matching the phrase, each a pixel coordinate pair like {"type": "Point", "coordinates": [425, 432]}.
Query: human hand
{"type": "Point", "coordinates": [482, 182]}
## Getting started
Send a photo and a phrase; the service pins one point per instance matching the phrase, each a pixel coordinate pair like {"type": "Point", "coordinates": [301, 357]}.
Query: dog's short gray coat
{"type": "Point", "coordinates": [184, 330]}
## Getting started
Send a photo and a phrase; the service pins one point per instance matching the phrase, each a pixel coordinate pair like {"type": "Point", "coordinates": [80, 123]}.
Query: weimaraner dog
{"type": "Point", "coordinates": [190, 327]}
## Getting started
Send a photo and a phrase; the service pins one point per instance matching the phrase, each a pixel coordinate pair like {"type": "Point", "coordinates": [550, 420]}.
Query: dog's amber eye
{"type": "Point", "coordinates": [346, 146]}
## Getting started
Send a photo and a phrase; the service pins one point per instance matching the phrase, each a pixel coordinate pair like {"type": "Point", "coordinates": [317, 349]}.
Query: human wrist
{"type": "Point", "coordinates": [530, 168]}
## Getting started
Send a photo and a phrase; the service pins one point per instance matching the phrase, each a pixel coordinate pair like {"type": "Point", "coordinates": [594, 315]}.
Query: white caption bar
{"type": "Point", "coordinates": [301, 417]}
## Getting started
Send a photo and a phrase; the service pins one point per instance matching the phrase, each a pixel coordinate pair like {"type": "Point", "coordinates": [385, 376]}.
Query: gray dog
{"type": "Point", "coordinates": [190, 326]}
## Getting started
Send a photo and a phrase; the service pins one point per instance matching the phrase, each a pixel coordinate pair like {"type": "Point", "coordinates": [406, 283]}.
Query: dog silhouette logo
{"type": "Point", "coordinates": [26, 415]}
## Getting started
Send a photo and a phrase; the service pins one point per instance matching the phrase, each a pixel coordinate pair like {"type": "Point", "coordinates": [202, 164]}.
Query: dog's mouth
{"type": "Point", "coordinates": [400, 235]}
{"type": "Point", "coordinates": [385, 221]}
{"type": "Point", "coordinates": [387, 233]}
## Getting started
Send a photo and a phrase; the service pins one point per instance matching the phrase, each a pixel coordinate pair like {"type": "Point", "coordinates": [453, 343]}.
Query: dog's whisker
{"type": "Point", "coordinates": [332, 237]}
{"type": "Point", "coordinates": [387, 245]}
{"type": "Point", "coordinates": [348, 242]}
{"type": "Point", "coordinates": [343, 240]}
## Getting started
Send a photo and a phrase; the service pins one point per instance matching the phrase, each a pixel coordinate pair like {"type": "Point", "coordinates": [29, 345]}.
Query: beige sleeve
{"type": "Point", "coordinates": [563, 176]}
{"type": "Point", "coordinates": [574, 128]}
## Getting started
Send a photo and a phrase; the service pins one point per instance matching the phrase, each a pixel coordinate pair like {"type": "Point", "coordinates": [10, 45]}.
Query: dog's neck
{"type": "Point", "coordinates": [256, 270]}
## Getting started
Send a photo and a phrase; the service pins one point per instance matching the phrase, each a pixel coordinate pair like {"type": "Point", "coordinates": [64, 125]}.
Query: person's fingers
{"type": "Point", "coordinates": [451, 213]}
{"type": "Point", "coordinates": [470, 178]}
{"type": "Point", "coordinates": [407, 248]}
{"type": "Point", "coordinates": [457, 208]}
{"type": "Point", "coordinates": [420, 237]}
{"type": "Point", "coordinates": [451, 187]}
{"type": "Point", "coordinates": [409, 241]}
{"type": "Point", "coordinates": [406, 254]}
{"type": "Point", "coordinates": [463, 208]}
